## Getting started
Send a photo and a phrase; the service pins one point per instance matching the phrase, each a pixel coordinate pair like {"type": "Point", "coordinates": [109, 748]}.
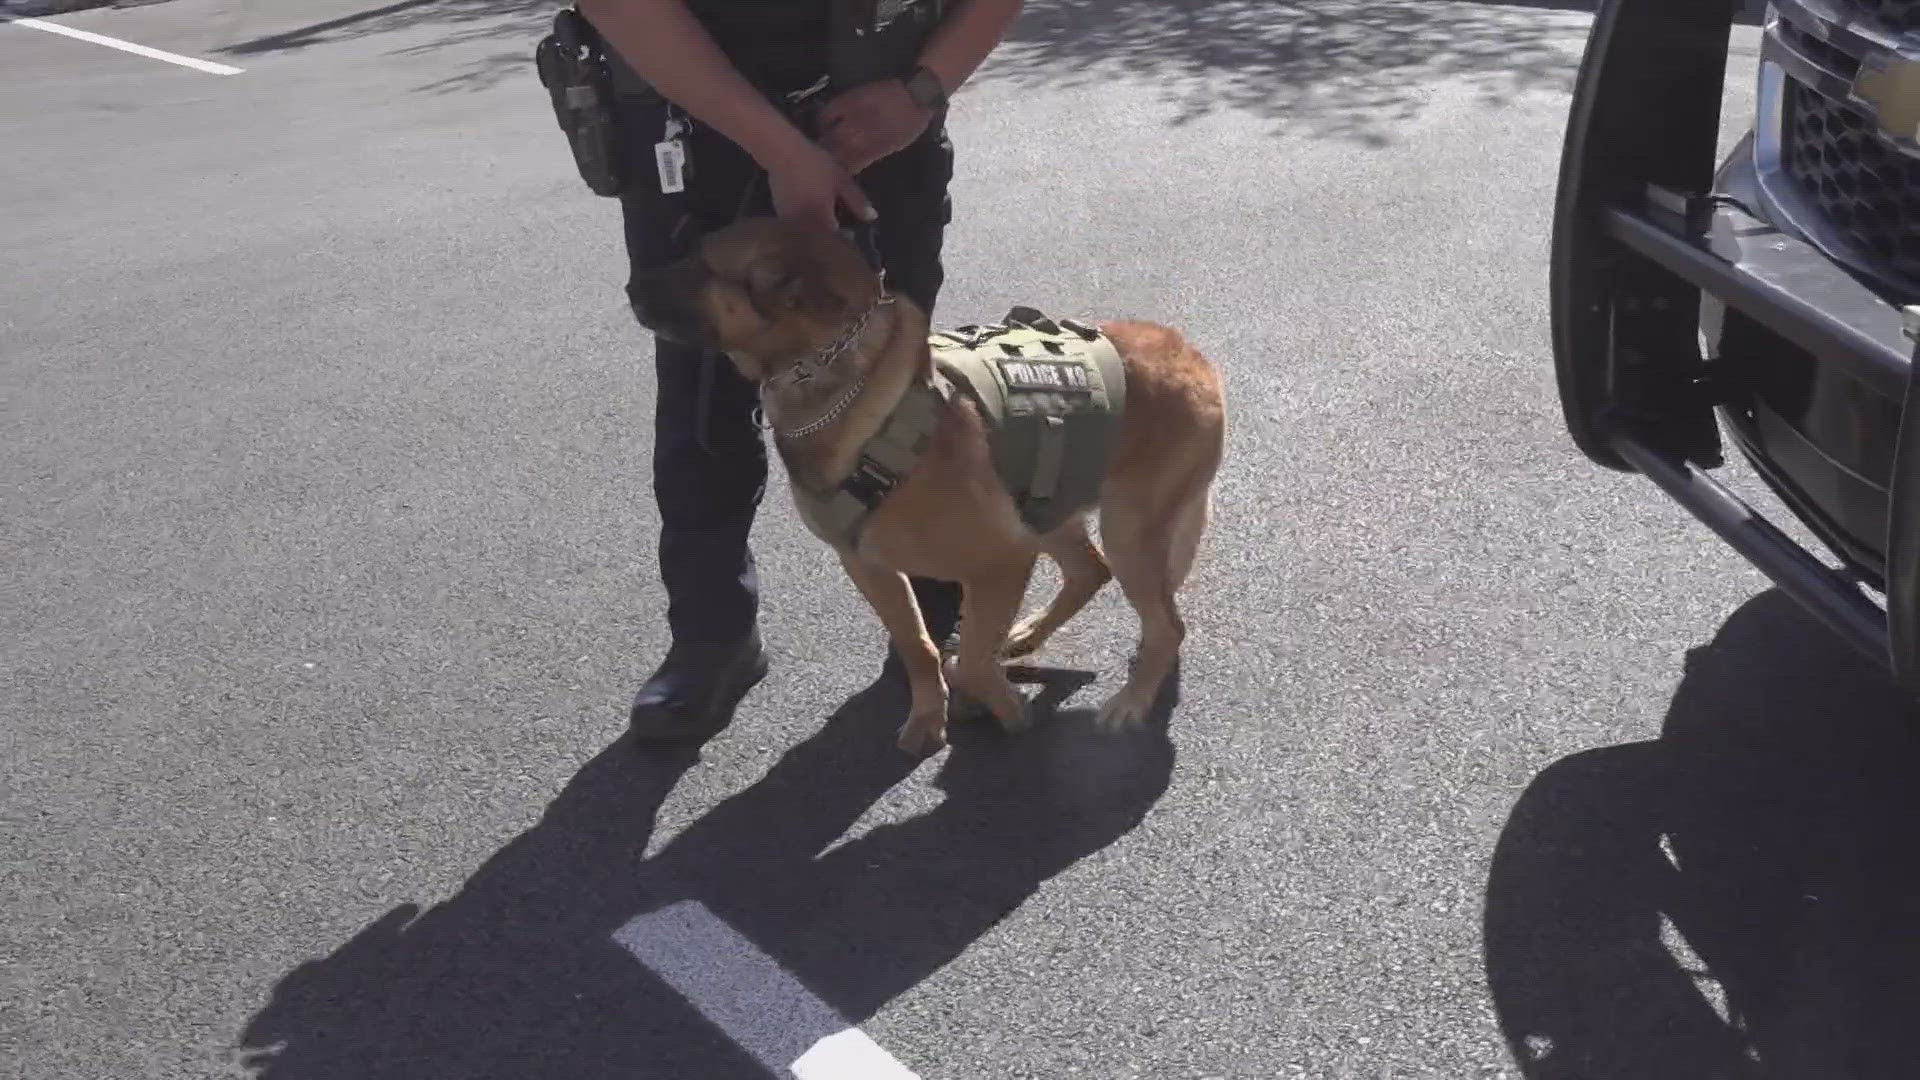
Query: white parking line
{"type": "Point", "coordinates": [753, 999]}
{"type": "Point", "coordinates": [207, 66]}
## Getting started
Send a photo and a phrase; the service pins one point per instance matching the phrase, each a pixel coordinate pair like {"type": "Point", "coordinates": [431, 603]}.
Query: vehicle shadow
{"type": "Point", "coordinates": [518, 975]}
{"type": "Point", "coordinates": [1739, 898]}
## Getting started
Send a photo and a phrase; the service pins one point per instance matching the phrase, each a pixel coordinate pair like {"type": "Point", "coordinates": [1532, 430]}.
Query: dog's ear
{"type": "Point", "coordinates": [793, 283]}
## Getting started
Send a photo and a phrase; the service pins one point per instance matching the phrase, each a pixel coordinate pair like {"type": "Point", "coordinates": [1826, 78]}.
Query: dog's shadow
{"type": "Point", "coordinates": [1738, 899]}
{"type": "Point", "coordinates": [518, 974]}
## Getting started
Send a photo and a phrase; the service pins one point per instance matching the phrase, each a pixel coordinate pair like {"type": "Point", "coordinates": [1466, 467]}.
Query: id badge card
{"type": "Point", "coordinates": [670, 157]}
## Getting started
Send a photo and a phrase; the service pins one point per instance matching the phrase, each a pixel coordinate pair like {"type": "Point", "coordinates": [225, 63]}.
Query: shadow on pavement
{"type": "Point", "coordinates": [501, 17]}
{"type": "Point", "coordinates": [1773, 828]}
{"type": "Point", "coordinates": [1748, 13]}
{"type": "Point", "coordinates": [515, 25]}
{"type": "Point", "coordinates": [518, 975]}
{"type": "Point", "coordinates": [1347, 68]}
{"type": "Point", "coordinates": [1335, 68]}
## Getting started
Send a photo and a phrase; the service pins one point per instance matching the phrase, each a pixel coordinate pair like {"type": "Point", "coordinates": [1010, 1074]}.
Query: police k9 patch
{"type": "Point", "coordinates": [1054, 375]}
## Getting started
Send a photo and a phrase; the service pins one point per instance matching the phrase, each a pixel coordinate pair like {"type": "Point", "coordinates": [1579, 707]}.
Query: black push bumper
{"type": "Point", "coordinates": [1639, 237]}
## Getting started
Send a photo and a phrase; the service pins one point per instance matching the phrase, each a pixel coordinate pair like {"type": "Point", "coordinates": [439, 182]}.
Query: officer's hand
{"type": "Point", "coordinates": [872, 121]}
{"type": "Point", "coordinates": [809, 184]}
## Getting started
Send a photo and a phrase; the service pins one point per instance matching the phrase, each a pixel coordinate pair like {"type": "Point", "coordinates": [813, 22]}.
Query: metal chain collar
{"type": "Point", "coordinates": [809, 367]}
{"type": "Point", "coordinates": [833, 413]}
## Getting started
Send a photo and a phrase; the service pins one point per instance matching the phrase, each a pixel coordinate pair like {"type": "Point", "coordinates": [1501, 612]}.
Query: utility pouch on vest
{"type": "Point", "coordinates": [1051, 393]}
{"type": "Point", "coordinates": [878, 39]}
{"type": "Point", "coordinates": [573, 67]}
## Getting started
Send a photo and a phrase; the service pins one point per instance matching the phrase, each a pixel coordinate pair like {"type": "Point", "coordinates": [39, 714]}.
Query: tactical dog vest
{"type": "Point", "coordinates": [1051, 395]}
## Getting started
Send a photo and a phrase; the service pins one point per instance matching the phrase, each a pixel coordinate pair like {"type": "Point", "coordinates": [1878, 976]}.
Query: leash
{"type": "Point", "coordinates": [710, 359]}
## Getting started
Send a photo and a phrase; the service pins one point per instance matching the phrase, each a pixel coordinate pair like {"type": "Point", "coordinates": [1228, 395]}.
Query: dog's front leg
{"type": "Point", "coordinates": [990, 598]}
{"type": "Point", "coordinates": [891, 597]}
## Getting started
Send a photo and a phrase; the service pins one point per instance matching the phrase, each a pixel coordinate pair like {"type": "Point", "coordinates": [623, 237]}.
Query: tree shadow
{"type": "Point", "coordinates": [483, 18]}
{"type": "Point", "coordinates": [1738, 899]}
{"type": "Point", "coordinates": [1333, 68]}
{"type": "Point", "coordinates": [1337, 68]}
{"type": "Point", "coordinates": [517, 24]}
{"type": "Point", "coordinates": [519, 974]}
{"type": "Point", "coordinates": [1349, 68]}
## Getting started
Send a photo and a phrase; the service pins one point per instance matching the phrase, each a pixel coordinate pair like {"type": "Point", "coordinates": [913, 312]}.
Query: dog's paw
{"type": "Point", "coordinates": [1126, 710]}
{"type": "Point", "coordinates": [966, 709]}
{"type": "Point", "coordinates": [1022, 641]}
{"type": "Point", "coordinates": [922, 735]}
{"type": "Point", "coordinates": [1017, 718]}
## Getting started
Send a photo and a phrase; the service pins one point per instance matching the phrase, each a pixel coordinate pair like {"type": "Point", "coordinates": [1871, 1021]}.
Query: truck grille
{"type": "Point", "coordinates": [1900, 16]}
{"type": "Point", "coordinates": [1868, 190]}
{"type": "Point", "coordinates": [1829, 58]}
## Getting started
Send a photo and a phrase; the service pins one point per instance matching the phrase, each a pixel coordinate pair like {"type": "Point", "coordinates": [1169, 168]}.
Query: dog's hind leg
{"type": "Point", "coordinates": [891, 598]}
{"type": "Point", "coordinates": [989, 600]}
{"type": "Point", "coordinates": [1083, 572]}
{"type": "Point", "coordinates": [1189, 527]}
{"type": "Point", "coordinates": [1139, 547]}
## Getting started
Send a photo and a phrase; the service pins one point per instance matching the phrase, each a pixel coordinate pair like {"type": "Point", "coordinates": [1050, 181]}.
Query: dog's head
{"type": "Point", "coordinates": [765, 291]}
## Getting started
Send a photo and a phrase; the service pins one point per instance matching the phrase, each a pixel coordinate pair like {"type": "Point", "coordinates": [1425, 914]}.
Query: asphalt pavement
{"type": "Point", "coordinates": [328, 547]}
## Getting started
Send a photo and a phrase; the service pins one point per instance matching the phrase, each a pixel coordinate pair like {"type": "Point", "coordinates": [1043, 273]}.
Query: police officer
{"type": "Point", "coordinates": [830, 110]}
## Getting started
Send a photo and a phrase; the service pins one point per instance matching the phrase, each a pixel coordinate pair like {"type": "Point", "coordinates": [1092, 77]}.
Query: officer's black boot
{"type": "Point", "coordinates": [693, 693]}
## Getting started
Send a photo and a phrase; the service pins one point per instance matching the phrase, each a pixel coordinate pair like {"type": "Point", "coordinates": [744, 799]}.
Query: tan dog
{"type": "Point", "coordinates": [798, 310]}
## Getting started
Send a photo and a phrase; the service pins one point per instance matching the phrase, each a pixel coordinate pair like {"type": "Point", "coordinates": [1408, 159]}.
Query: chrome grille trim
{"type": "Point", "coordinates": [1843, 24]}
{"type": "Point", "coordinates": [1897, 16]}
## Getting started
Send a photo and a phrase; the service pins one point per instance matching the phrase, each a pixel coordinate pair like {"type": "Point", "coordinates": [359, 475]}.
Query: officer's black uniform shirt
{"type": "Point", "coordinates": [776, 44]}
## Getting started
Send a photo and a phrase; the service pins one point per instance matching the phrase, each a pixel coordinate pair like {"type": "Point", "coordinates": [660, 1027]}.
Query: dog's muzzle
{"type": "Point", "coordinates": [664, 301]}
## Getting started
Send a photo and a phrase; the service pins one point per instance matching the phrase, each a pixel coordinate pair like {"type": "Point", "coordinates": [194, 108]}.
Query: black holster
{"type": "Point", "coordinates": [572, 61]}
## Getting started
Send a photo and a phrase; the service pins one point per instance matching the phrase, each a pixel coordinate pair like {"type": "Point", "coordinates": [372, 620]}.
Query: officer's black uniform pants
{"type": "Point", "coordinates": [709, 460]}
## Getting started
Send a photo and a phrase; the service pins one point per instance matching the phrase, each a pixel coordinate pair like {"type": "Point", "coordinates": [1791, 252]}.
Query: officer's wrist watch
{"type": "Point", "coordinates": [924, 88]}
